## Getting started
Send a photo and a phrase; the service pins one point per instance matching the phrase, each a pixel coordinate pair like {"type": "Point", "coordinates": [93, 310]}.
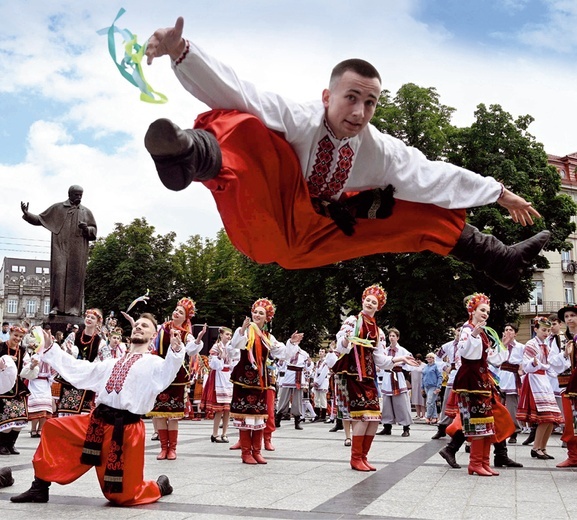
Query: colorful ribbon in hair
{"type": "Point", "coordinates": [131, 65]}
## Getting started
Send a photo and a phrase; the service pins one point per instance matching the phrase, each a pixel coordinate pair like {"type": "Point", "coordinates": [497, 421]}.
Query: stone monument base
{"type": "Point", "coordinates": [59, 323]}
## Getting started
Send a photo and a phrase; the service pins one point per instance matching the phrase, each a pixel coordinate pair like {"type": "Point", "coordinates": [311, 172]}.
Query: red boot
{"type": "Point", "coordinates": [172, 441]}
{"type": "Point", "coordinates": [163, 438]}
{"type": "Point", "coordinates": [357, 454]}
{"type": "Point", "coordinates": [236, 445]}
{"type": "Point", "coordinates": [476, 459]}
{"type": "Point", "coordinates": [246, 446]}
{"type": "Point", "coordinates": [571, 461]}
{"type": "Point", "coordinates": [367, 441]}
{"type": "Point", "coordinates": [268, 441]}
{"type": "Point", "coordinates": [487, 456]}
{"type": "Point", "coordinates": [256, 446]}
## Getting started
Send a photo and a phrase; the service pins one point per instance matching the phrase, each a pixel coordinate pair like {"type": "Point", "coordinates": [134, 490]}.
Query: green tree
{"type": "Point", "coordinates": [417, 117]}
{"type": "Point", "coordinates": [498, 145]}
{"type": "Point", "coordinates": [228, 294]}
{"type": "Point", "coordinates": [128, 262]}
{"type": "Point", "coordinates": [306, 300]}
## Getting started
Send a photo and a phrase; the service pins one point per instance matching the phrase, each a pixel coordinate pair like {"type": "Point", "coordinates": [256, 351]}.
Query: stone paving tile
{"type": "Point", "coordinates": [309, 478]}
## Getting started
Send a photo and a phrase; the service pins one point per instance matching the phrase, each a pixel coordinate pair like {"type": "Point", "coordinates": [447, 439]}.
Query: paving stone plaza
{"type": "Point", "coordinates": [308, 477]}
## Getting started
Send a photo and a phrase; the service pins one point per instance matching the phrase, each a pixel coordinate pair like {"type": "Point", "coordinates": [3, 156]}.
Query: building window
{"type": "Point", "coordinates": [569, 293]}
{"type": "Point", "coordinates": [536, 299]}
{"type": "Point", "coordinates": [566, 265]}
{"type": "Point", "coordinates": [46, 306]}
{"type": "Point", "coordinates": [14, 268]}
{"type": "Point", "coordinates": [12, 307]}
{"type": "Point", "coordinates": [30, 307]}
{"type": "Point", "coordinates": [46, 270]}
{"type": "Point", "coordinates": [39, 270]}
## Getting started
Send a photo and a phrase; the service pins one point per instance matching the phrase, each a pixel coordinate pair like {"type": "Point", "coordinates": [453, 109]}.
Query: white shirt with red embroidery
{"type": "Point", "coordinates": [131, 382]}
{"type": "Point", "coordinates": [332, 166]}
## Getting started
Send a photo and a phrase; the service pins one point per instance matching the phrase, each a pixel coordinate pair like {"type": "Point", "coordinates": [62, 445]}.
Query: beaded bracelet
{"type": "Point", "coordinates": [180, 59]}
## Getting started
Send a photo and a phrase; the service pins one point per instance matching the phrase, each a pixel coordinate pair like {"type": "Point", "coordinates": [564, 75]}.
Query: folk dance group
{"type": "Point", "coordinates": [297, 169]}
{"type": "Point", "coordinates": [492, 389]}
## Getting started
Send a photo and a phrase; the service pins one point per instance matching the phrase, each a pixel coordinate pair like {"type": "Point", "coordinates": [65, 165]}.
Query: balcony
{"type": "Point", "coordinates": [542, 307]}
{"type": "Point", "coordinates": [568, 266]}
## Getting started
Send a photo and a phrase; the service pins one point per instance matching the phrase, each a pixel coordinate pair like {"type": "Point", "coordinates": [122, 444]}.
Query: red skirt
{"type": "Point", "coordinates": [264, 203]}
{"type": "Point", "coordinates": [527, 409]}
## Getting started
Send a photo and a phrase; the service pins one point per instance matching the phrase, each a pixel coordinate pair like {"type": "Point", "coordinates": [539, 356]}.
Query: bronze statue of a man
{"type": "Point", "coordinates": [72, 226]}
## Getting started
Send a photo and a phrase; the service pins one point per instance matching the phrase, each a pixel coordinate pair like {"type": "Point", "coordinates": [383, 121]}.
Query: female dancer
{"type": "Point", "coordinates": [568, 315]}
{"type": "Point", "coordinates": [473, 388]}
{"type": "Point", "coordinates": [250, 377]}
{"type": "Point", "coordinates": [40, 377]}
{"type": "Point", "coordinates": [169, 405]}
{"type": "Point", "coordinates": [537, 402]}
{"type": "Point", "coordinates": [360, 344]}
{"type": "Point", "coordinates": [84, 343]}
{"type": "Point", "coordinates": [217, 393]}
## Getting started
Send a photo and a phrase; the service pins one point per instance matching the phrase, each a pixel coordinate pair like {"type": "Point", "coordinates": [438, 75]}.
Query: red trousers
{"type": "Point", "coordinates": [264, 203]}
{"type": "Point", "coordinates": [57, 458]}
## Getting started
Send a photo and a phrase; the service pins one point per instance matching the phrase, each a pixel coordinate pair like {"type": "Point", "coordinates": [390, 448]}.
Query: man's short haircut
{"type": "Point", "coordinates": [514, 326]}
{"type": "Point", "coordinates": [149, 316]}
{"type": "Point", "coordinates": [5, 323]}
{"type": "Point", "coordinates": [554, 317]}
{"type": "Point", "coordinates": [396, 331]}
{"type": "Point", "coordinates": [361, 67]}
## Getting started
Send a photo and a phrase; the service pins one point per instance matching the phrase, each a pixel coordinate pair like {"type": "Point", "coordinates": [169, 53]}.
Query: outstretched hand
{"type": "Point", "coordinates": [166, 41]}
{"type": "Point", "coordinates": [407, 360]}
{"type": "Point", "coordinates": [24, 206]}
{"type": "Point", "coordinates": [129, 318]}
{"type": "Point", "coordinates": [520, 210]}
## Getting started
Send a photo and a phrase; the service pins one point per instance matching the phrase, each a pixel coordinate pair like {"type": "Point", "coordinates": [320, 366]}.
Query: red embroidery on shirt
{"type": "Point", "coordinates": [318, 183]}
{"type": "Point", "coordinates": [318, 180]}
{"type": "Point", "coordinates": [119, 372]}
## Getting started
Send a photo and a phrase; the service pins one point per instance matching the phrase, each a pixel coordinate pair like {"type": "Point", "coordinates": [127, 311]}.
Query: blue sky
{"type": "Point", "coordinates": [67, 117]}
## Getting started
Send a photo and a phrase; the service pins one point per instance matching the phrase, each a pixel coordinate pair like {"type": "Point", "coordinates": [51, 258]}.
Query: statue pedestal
{"type": "Point", "coordinates": [59, 323]}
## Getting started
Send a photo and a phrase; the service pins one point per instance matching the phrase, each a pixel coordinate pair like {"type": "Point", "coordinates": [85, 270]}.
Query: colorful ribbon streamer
{"type": "Point", "coordinates": [494, 337]}
{"type": "Point", "coordinates": [131, 65]}
{"type": "Point", "coordinates": [142, 298]}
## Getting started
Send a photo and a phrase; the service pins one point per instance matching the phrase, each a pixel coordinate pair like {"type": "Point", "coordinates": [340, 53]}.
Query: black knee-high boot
{"type": "Point", "coordinates": [182, 156]}
{"type": "Point", "coordinates": [501, 263]}
{"type": "Point", "coordinates": [13, 436]}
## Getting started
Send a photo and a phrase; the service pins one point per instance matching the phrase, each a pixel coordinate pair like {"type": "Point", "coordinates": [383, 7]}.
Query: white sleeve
{"type": "Point", "coordinates": [417, 179]}
{"type": "Point", "coordinates": [469, 346]}
{"type": "Point", "coordinates": [239, 340]}
{"type": "Point", "coordinates": [165, 372]}
{"type": "Point", "coordinates": [78, 372]}
{"type": "Point", "coordinates": [347, 329]}
{"type": "Point", "coordinates": [215, 363]}
{"type": "Point", "coordinates": [27, 372]}
{"type": "Point", "coordinates": [8, 374]}
{"type": "Point", "coordinates": [192, 347]}
{"type": "Point", "coordinates": [217, 85]}
{"type": "Point", "coordinates": [531, 354]}
{"type": "Point", "coordinates": [497, 357]}
{"type": "Point", "coordinates": [382, 361]}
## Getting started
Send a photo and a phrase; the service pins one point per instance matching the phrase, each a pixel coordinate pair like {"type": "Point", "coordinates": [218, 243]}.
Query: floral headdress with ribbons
{"type": "Point", "coordinates": [267, 305]}
{"type": "Point", "coordinates": [94, 312]}
{"type": "Point", "coordinates": [474, 300]}
{"type": "Point", "coordinates": [378, 292]}
{"type": "Point", "coordinates": [188, 305]}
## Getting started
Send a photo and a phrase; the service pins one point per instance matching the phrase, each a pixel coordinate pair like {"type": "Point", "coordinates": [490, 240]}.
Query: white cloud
{"type": "Point", "coordinates": [557, 31]}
